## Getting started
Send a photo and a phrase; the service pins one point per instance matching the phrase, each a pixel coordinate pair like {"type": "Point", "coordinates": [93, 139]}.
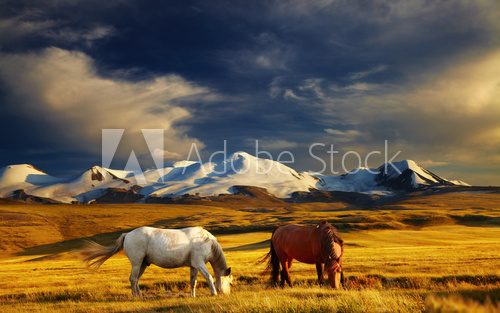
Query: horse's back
{"type": "Point", "coordinates": [164, 247]}
{"type": "Point", "coordinates": [189, 233]}
{"type": "Point", "coordinates": [198, 234]}
{"type": "Point", "coordinates": [297, 242]}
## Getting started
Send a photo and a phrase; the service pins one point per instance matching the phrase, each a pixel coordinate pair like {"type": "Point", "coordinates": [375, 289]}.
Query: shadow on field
{"type": "Point", "coordinates": [53, 249]}
{"type": "Point", "coordinates": [380, 281]}
{"type": "Point", "coordinates": [251, 246]}
{"type": "Point", "coordinates": [103, 238]}
{"type": "Point", "coordinates": [266, 219]}
{"type": "Point", "coordinates": [70, 245]}
{"type": "Point", "coordinates": [480, 296]}
{"type": "Point", "coordinates": [477, 220]}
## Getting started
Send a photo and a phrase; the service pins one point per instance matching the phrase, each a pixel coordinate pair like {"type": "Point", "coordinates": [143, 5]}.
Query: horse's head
{"type": "Point", "coordinates": [333, 266]}
{"type": "Point", "coordinates": [333, 248]}
{"type": "Point", "coordinates": [225, 282]}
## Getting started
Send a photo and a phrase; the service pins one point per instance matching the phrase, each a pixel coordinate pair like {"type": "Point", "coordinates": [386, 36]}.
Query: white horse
{"type": "Point", "coordinates": [167, 248]}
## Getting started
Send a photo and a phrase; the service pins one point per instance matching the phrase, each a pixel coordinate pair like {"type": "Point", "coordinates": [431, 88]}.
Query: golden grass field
{"type": "Point", "coordinates": [437, 253]}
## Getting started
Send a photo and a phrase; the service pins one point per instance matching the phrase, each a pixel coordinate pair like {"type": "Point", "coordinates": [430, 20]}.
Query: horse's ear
{"type": "Point", "coordinates": [228, 272]}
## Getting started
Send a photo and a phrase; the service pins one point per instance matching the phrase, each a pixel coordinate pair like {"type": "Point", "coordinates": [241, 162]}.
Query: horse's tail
{"type": "Point", "coordinates": [273, 263]}
{"type": "Point", "coordinates": [95, 255]}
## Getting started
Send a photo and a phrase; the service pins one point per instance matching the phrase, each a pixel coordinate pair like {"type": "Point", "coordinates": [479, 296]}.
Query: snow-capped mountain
{"type": "Point", "coordinates": [403, 175]}
{"type": "Point", "coordinates": [207, 179]}
{"type": "Point", "coordinates": [240, 168]}
{"type": "Point", "coordinates": [87, 186]}
{"type": "Point", "coordinates": [408, 175]}
{"type": "Point", "coordinates": [22, 176]}
{"type": "Point", "coordinates": [358, 180]}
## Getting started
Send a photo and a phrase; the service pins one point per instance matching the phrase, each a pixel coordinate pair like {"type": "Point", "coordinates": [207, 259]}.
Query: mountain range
{"type": "Point", "coordinates": [26, 182]}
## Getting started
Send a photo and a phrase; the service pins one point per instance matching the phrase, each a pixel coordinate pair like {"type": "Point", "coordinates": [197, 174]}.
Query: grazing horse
{"type": "Point", "coordinates": [316, 244]}
{"type": "Point", "coordinates": [167, 248]}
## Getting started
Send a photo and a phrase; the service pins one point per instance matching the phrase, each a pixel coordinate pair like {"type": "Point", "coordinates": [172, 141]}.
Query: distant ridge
{"type": "Point", "coordinates": [229, 176]}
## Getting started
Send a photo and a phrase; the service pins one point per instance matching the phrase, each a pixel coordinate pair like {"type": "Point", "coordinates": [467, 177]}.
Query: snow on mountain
{"type": "Point", "coordinates": [183, 163]}
{"type": "Point", "coordinates": [403, 175]}
{"type": "Point", "coordinates": [22, 176]}
{"type": "Point", "coordinates": [119, 173]}
{"type": "Point", "coordinates": [358, 180]}
{"type": "Point", "coordinates": [83, 188]}
{"type": "Point", "coordinates": [459, 182]}
{"type": "Point", "coordinates": [87, 186]}
{"type": "Point", "coordinates": [206, 179]}
{"type": "Point", "coordinates": [407, 175]}
{"type": "Point", "coordinates": [240, 168]}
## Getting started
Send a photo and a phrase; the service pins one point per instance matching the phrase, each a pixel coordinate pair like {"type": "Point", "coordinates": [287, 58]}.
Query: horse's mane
{"type": "Point", "coordinates": [329, 236]}
{"type": "Point", "coordinates": [218, 259]}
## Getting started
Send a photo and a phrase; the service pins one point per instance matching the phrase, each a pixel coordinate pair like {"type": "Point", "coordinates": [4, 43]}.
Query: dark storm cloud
{"type": "Point", "coordinates": [287, 72]}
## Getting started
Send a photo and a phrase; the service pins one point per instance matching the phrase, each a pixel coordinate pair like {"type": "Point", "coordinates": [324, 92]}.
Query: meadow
{"type": "Point", "coordinates": [435, 253]}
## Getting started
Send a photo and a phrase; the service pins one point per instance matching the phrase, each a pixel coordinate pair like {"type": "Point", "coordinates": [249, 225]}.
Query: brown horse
{"type": "Point", "coordinates": [316, 244]}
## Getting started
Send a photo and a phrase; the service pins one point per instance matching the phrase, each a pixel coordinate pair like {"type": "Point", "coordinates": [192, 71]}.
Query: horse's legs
{"type": "Point", "coordinates": [282, 273]}
{"type": "Point", "coordinates": [135, 275]}
{"type": "Point", "coordinates": [136, 255]}
{"type": "Point", "coordinates": [289, 265]}
{"type": "Point", "coordinates": [193, 273]}
{"type": "Point", "coordinates": [134, 279]}
{"type": "Point", "coordinates": [144, 265]}
{"type": "Point", "coordinates": [285, 275]}
{"type": "Point", "coordinates": [319, 270]}
{"type": "Point", "coordinates": [210, 281]}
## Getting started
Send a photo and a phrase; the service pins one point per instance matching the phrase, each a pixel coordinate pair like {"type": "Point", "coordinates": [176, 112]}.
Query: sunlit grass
{"type": "Point", "coordinates": [436, 259]}
{"type": "Point", "coordinates": [386, 271]}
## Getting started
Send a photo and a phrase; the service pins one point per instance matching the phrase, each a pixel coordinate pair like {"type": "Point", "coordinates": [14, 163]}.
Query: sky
{"type": "Point", "coordinates": [423, 75]}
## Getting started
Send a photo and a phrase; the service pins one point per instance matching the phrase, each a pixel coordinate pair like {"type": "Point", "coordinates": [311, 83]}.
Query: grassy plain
{"type": "Point", "coordinates": [438, 253]}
